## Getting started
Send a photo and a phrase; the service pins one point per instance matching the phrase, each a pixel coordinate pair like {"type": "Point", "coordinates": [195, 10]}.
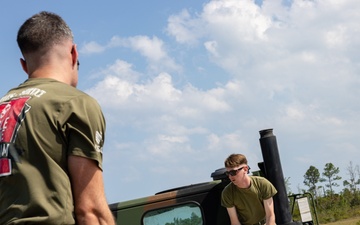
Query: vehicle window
{"type": "Point", "coordinates": [185, 214]}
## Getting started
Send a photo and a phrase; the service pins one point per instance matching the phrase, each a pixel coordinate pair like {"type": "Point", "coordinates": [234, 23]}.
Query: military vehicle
{"type": "Point", "coordinates": [193, 204]}
{"type": "Point", "coordinates": [200, 204]}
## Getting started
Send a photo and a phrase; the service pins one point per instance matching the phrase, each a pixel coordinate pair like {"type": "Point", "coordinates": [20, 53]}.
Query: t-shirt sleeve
{"type": "Point", "coordinates": [269, 188]}
{"type": "Point", "coordinates": [227, 198]}
{"type": "Point", "coordinates": [85, 128]}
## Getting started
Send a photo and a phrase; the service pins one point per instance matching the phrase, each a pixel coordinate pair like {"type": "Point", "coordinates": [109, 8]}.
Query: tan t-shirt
{"type": "Point", "coordinates": [42, 122]}
{"type": "Point", "coordinates": [248, 201]}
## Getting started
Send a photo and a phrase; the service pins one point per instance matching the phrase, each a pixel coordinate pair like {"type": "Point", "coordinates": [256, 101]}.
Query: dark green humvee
{"type": "Point", "coordinates": [200, 204]}
{"type": "Point", "coordinates": [195, 204]}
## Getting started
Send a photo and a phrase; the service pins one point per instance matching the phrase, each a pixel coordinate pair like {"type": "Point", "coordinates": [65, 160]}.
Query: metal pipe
{"type": "Point", "coordinates": [273, 172]}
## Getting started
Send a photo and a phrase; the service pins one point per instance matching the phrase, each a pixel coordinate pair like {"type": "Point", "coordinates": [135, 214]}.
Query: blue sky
{"type": "Point", "coordinates": [183, 84]}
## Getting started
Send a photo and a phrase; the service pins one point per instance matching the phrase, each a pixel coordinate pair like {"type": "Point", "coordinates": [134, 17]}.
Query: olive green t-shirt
{"type": "Point", "coordinates": [248, 201]}
{"type": "Point", "coordinates": [42, 122]}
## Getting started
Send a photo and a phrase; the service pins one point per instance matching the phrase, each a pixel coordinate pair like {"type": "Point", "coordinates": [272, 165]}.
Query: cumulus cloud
{"type": "Point", "coordinates": [123, 84]}
{"type": "Point", "coordinates": [184, 28]}
{"type": "Point", "coordinates": [152, 49]}
{"type": "Point", "coordinates": [91, 48]}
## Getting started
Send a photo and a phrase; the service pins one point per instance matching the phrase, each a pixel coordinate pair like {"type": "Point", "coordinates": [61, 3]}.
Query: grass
{"type": "Point", "coordinates": [351, 221]}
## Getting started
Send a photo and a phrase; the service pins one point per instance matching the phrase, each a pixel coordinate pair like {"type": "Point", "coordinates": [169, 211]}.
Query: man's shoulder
{"type": "Point", "coordinates": [259, 180]}
{"type": "Point", "coordinates": [45, 89]}
{"type": "Point", "coordinates": [53, 88]}
{"type": "Point", "coordinates": [264, 184]}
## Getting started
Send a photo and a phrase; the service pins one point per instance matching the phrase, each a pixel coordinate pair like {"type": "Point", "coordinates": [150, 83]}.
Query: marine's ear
{"type": "Point", "coordinates": [24, 65]}
{"type": "Point", "coordinates": [248, 169]}
{"type": "Point", "coordinates": [75, 56]}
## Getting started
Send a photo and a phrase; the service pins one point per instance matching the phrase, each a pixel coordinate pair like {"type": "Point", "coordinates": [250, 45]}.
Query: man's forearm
{"type": "Point", "coordinates": [270, 220]}
{"type": "Point", "coordinates": [91, 218]}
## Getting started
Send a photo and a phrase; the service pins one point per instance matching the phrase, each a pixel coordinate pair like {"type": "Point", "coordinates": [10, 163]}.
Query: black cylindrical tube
{"type": "Point", "coordinates": [275, 175]}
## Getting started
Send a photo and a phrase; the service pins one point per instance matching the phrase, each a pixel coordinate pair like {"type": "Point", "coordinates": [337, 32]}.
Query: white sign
{"type": "Point", "coordinates": [304, 208]}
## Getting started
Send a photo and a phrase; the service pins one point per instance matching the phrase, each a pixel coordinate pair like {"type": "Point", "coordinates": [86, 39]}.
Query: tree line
{"type": "Point", "coordinates": [330, 178]}
{"type": "Point", "coordinates": [332, 206]}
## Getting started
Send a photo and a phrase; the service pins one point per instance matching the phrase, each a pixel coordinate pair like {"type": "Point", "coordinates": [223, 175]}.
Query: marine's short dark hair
{"type": "Point", "coordinates": [42, 31]}
{"type": "Point", "coordinates": [235, 160]}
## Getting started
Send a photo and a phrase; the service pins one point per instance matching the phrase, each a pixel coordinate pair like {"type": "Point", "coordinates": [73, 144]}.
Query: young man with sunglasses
{"type": "Point", "coordinates": [248, 199]}
{"type": "Point", "coordinates": [51, 135]}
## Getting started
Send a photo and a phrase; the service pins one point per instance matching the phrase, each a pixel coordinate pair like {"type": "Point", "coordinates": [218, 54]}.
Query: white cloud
{"type": "Point", "coordinates": [293, 113]}
{"type": "Point", "coordinates": [128, 92]}
{"type": "Point", "coordinates": [122, 70]}
{"type": "Point", "coordinates": [184, 28]}
{"type": "Point", "coordinates": [242, 19]}
{"type": "Point", "coordinates": [336, 37]}
{"type": "Point", "coordinates": [173, 139]}
{"type": "Point", "coordinates": [116, 92]}
{"type": "Point", "coordinates": [91, 47]}
{"type": "Point", "coordinates": [152, 49]}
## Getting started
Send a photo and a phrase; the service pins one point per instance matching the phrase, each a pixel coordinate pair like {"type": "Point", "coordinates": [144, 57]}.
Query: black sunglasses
{"type": "Point", "coordinates": [233, 172]}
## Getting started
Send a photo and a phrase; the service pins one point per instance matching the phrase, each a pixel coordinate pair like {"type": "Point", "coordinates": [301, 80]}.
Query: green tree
{"type": "Point", "coordinates": [311, 178]}
{"type": "Point", "coordinates": [330, 176]}
{"type": "Point", "coordinates": [352, 183]}
{"type": "Point", "coordinates": [194, 220]}
{"type": "Point", "coordinates": [287, 185]}
{"type": "Point", "coordinates": [353, 172]}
